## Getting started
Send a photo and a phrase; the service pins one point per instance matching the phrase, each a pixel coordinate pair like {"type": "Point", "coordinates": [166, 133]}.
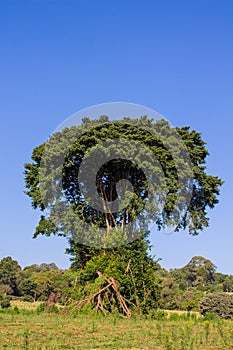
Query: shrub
{"type": "Point", "coordinates": [5, 303]}
{"type": "Point", "coordinates": [190, 300]}
{"type": "Point", "coordinates": [220, 304]}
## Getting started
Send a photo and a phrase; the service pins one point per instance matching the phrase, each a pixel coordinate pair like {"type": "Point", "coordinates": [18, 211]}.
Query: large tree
{"type": "Point", "coordinates": [168, 171]}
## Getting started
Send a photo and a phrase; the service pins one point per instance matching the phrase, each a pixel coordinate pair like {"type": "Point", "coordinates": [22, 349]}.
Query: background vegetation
{"type": "Point", "coordinates": [156, 288]}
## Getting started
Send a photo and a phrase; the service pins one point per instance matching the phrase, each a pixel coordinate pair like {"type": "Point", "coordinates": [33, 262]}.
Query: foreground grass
{"type": "Point", "coordinates": [28, 330]}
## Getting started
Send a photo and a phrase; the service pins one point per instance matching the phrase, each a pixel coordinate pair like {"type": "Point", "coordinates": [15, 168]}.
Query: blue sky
{"type": "Point", "coordinates": [57, 57]}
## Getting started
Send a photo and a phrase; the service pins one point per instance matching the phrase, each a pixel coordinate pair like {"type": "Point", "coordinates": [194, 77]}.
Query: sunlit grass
{"type": "Point", "coordinates": [22, 330]}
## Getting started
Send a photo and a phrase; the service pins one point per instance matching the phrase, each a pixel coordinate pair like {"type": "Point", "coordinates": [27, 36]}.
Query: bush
{"type": "Point", "coordinates": [5, 303]}
{"type": "Point", "coordinates": [220, 304]}
{"type": "Point", "coordinates": [190, 300]}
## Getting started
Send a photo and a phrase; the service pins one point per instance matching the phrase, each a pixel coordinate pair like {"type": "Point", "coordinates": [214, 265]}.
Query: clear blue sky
{"type": "Point", "coordinates": [57, 57]}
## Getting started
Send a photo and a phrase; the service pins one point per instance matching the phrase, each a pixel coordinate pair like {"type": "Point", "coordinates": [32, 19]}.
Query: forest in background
{"type": "Point", "coordinates": [177, 289]}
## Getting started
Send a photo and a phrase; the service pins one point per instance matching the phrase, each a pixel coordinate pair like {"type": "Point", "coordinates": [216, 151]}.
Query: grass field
{"type": "Point", "coordinates": [28, 330]}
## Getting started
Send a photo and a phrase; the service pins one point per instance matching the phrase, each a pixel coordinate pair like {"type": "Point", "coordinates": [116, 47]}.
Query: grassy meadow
{"type": "Point", "coordinates": [25, 328]}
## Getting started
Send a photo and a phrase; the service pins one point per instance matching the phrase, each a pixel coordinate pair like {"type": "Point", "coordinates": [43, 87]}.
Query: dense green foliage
{"type": "Point", "coordinates": [133, 269]}
{"type": "Point", "coordinates": [183, 288]}
{"type": "Point", "coordinates": [145, 283]}
{"type": "Point", "coordinates": [5, 303]}
{"type": "Point", "coordinates": [77, 143]}
{"type": "Point", "coordinates": [220, 304]}
{"type": "Point", "coordinates": [33, 282]}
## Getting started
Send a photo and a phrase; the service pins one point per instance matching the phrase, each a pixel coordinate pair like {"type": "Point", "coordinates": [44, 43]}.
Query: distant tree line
{"type": "Point", "coordinates": [177, 289]}
{"type": "Point", "coordinates": [183, 288]}
{"type": "Point", "coordinates": [32, 283]}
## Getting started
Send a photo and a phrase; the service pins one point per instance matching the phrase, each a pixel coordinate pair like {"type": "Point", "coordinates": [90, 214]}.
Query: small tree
{"type": "Point", "coordinates": [9, 270]}
{"type": "Point", "coordinates": [199, 272]}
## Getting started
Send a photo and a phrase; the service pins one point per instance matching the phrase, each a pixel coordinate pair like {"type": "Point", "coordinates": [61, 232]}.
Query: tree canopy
{"type": "Point", "coordinates": [67, 149]}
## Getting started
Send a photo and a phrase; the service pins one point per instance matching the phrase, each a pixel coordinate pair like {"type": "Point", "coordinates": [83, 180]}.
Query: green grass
{"type": "Point", "coordinates": [29, 330]}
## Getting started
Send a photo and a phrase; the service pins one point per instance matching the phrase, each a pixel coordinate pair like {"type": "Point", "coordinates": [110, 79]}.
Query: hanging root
{"type": "Point", "coordinates": [108, 292]}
